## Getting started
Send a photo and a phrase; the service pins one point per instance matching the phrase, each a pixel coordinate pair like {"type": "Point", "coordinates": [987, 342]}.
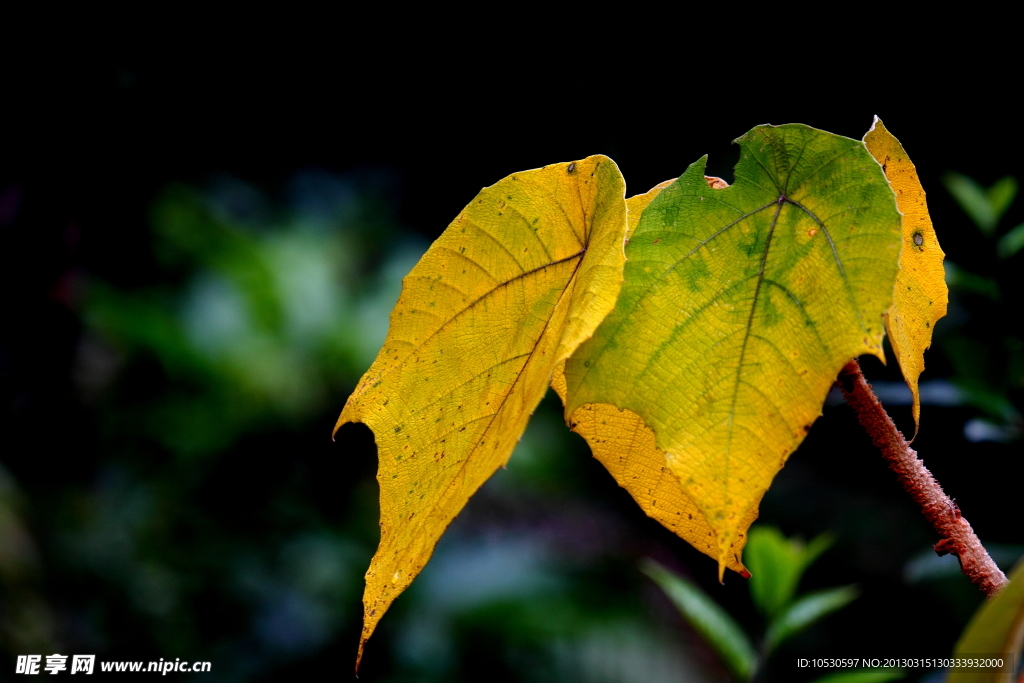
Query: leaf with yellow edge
{"type": "Point", "coordinates": [920, 294]}
{"type": "Point", "coordinates": [621, 441]}
{"type": "Point", "coordinates": [521, 277]}
{"type": "Point", "coordinates": [739, 307]}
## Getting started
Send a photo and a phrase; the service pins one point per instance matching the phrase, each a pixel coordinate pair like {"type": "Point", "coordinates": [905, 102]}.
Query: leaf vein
{"type": "Point", "coordinates": [835, 254]}
{"type": "Point", "coordinates": [475, 302]}
{"type": "Point", "coordinates": [746, 336]}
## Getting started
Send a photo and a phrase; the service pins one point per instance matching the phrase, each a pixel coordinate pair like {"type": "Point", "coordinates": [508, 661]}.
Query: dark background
{"type": "Point", "coordinates": [94, 142]}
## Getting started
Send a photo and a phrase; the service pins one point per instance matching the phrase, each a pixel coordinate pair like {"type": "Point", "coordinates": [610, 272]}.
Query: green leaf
{"type": "Point", "coordinates": [1012, 242]}
{"type": "Point", "coordinates": [1001, 195]}
{"type": "Point", "coordinates": [818, 545]}
{"type": "Point", "coordinates": [739, 307]}
{"type": "Point", "coordinates": [973, 199]}
{"type": "Point", "coordinates": [710, 620]}
{"type": "Point", "coordinates": [621, 441]}
{"type": "Point", "coordinates": [804, 612]}
{"type": "Point", "coordinates": [966, 281]}
{"type": "Point", "coordinates": [863, 676]}
{"type": "Point", "coordinates": [776, 565]}
{"type": "Point", "coordinates": [996, 628]}
{"type": "Point", "coordinates": [985, 207]}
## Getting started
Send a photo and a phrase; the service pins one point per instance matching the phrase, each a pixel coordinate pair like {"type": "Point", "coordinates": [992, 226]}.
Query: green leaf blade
{"type": "Point", "coordinates": [863, 676]}
{"type": "Point", "coordinates": [710, 620]}
{"type": "Point", "coordinates": [777, 564]}
{"type": "Point", "coordinates": [774, 566]}
{"type": "Point", "coordinates": [1012, 242]}
{"type": "Point", "coordinates": [964, 280]}
{"type": "Point", "coordinates": [1001, 195]}
{"type": "Point", "coordinates": [804, 612]}
{"type": "Point", "coordinates": [738, 309]}
{"type": "Point", "coordinates": [973, 199]}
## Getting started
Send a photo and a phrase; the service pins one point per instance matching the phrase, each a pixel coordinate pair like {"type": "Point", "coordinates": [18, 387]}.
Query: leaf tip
{"type": "Point", "coordinates": [359, 655]}
{"type": "Point", "coordinates": [916, 410]}
{"type": "Point", "coordinates": [348, 414]}
{"type": "Point", "coordinates": [337, 426]}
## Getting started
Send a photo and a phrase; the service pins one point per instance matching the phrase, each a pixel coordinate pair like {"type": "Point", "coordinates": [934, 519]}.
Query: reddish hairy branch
{"type": "Point", "coordinates": [957, 535]}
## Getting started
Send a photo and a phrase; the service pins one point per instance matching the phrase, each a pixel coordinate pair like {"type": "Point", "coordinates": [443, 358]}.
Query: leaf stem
{"type": "Point", "coordinates": [957, 535]}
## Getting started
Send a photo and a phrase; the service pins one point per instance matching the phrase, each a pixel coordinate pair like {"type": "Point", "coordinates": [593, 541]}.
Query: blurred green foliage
{"type": "Point", "coordinates": [264, 318]}
{"type": "Point", "coordinates": [982, 337]}
{"type": "Point", "coordinates": [985, 206]}
{"type": "Point", "coordinates": [776, 565]}
{"type": "Point", "coordinates": [198, 534]}
{"type": "Point", "coordinates": [250, 331]}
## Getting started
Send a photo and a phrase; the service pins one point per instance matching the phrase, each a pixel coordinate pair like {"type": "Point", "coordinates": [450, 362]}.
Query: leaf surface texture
{"type": "Point", "coordinates": [920, 294]}
{"type": "Point", "coordinates": [739, 307]}
{"type": "Point", "coordinates": [509, 290]}
{"type": "Point", "coordinates": [621, 441]}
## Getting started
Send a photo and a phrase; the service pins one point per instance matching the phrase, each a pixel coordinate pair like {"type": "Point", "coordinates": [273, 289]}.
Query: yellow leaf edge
{"type": "Point", "coordinates": [920, 295]}
{"type": "Point", "coordinates": [621, 441]}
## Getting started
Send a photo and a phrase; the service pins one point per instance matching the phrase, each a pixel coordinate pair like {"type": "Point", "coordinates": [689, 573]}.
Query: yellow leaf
{"type": "Point", "coordinates": [739, 307]}
{"type": "Point", "coordinates": [920, 294]}
{"type": "Point", "coordinates": [509, 290]}
{"type": "Point", "coordinates": [621, 441]}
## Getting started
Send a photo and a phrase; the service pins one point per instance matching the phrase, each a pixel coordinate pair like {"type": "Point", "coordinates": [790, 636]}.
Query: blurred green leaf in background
{"type": "Point", "coordinates": [776, 565]}
{"type": "Point", "coordinates": [982, 338]}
